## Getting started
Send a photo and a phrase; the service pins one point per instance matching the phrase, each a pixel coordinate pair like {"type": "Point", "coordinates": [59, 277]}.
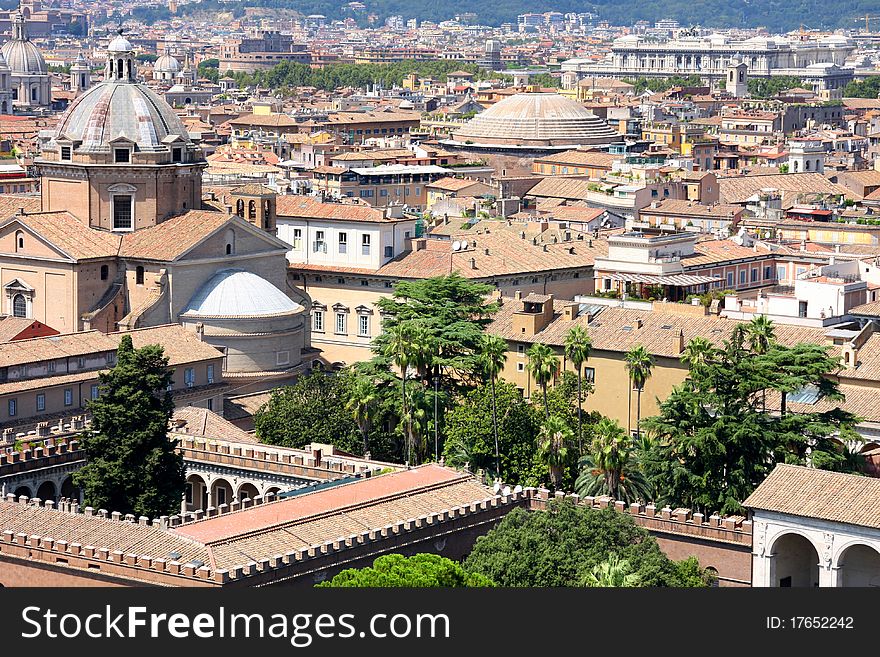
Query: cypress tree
{"type": "Point", "coordinates": [131, 465]}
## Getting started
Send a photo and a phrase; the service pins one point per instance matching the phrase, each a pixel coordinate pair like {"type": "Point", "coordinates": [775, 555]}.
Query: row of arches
{"type": "Point", "coordinates": [201, 494]}
{"type": "Point", "coordinates": [797, 563]}
{"type": "Point", "coordinates": [48, 490]}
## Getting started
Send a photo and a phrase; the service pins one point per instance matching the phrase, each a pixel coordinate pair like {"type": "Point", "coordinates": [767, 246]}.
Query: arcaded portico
{"type": "Point", "coordinates": [815, 528]}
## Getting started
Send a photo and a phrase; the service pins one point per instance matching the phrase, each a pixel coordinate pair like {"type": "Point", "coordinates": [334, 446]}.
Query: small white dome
{"type": "Point", "coordinates": [166, 64]}
{"type": "Point", "coordinates": [24, 58]}
{"type": "Point", "coordinates": [120, 44]}
{"type": "Point", "coordinates": [238, 293]}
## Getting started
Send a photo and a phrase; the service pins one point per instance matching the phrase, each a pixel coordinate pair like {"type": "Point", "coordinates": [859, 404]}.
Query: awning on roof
{"type": "Point", "coordinates": [678, 280]}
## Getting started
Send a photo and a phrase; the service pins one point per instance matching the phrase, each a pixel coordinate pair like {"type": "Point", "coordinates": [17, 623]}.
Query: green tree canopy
{"type": "Point", "coordinates": [470, 439]}
{"type": "Point", "coordinates": [314, 409]}
{"type": "Point", "coordinates": [714, 443]}
{"type": "Point", "coordinates": [561, 546]}
{"type": "Point", "coordinates": [131, 465]}
{"type": "Point", "coordinates": [418, 571]}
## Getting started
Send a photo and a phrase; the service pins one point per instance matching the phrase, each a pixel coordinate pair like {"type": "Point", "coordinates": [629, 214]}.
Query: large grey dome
{"type": "Point", "coordinates": [536, 119]}
{"type": "Point", "coordinates": [166, 64]}
{"type": "Point", "coordinates": [120, 109]}
{"type": "Point", "coordinates": [22, 56]}
{"type": "Point", "coordinates": [238, 293]}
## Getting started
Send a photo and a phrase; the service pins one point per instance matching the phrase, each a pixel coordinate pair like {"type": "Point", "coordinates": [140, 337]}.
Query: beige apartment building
{"type": "Point", "coordinates": [50, 379]}
{"type": "Point", "coordinates": [347, 257]}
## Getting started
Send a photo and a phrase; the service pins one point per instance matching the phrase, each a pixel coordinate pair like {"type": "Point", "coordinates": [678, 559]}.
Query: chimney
{"type": "Point", "coordinates": [487, 251]}
{"type": "Point", "coordinates": [473, 263]}
{"type": "Point", "coordinates": [570, 311]}
{"type": "Point", "coordinates": [518, 295]}
{"type": "Point", "coordinates": [200, 331]}
{"type": "Point", "coordinates": [678, 343]}
{"type": "Point", "coordinates": [522, 234]}
{"type": "Point", "coordinates": [638, 323]}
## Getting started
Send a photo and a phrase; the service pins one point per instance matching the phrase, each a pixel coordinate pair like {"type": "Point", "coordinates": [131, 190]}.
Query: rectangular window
{"type": "Point", "coordinates": [282, 358]}
{"type": "Point", "coordinates": [121, 155]}
{"type": "Point", "coordinates": [364, 325]}
{"type": "Point", "coordinates": [176, 155]}
{"type": "Point", "coordinates": [122, 219]}
{"type": "Point", "coordinates": [12, 407]}
{"type": "Point", "coordinates": [730, 279]}
{"type": "Point", "coordinates": [51, 366]}
{"type": "Point", "coordinates": [68, 396]}
{"type": "Point", "coordinates": [590, 374]}
{"type": "Point", "coordinates": [768, 272]}
{"type": "Point", "coordinates": [742, 276]}
{"type": "Point", "coordinates": [520, 349]}
{"type": "Point", "coordinates": [520, 367]}
{"type": "Point", "coordinates": [189, 377]}
{"type": "Point", "coordinates": [320, 244]}
{"type": "Point", "coordinates": [341, 323]}
{"type": "Point", "coordinates": [65, 152]}
{"type": "Point", "coordinates": [318, 321]}
{"type": "Point", "coordinates": [389, 251]}
{"type": "Point", "coordinates": [780, 272]}
{"type": "Point", "coordinates": [210, 404]}
{"type": "Point", "coordinates": [210, 374]}
{"type": "Point", "coordinates": [297, 238]}
{"type": "Point", "coordinates": [343, 242]}
{"type": "Point", "coordinates": [41, 402]}
{"type": "Point", "coordinates": [365, 245]}
{"type": "Point", "coordinates": [95, 391]}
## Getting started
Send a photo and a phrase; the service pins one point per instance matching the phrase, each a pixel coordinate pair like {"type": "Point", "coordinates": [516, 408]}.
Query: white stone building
{"type": "Point", "coordinates": [815, 528]}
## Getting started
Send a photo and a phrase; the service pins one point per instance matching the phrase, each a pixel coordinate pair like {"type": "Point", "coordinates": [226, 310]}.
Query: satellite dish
{"type": "Point", "coordinates": [456, 246]}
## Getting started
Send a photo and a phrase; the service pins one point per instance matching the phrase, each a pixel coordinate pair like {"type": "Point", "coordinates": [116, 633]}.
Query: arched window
{"type": "Point", "coordinates": [139, 275]}
{"type": "Point", "coordinates": [252, 210]}
{"type": "Point", "coordinates": [105, 272]}
{"type": "Point", "coordinates": [806, 165]}
{"type": "Point", "coordinates": [119, 69]}
{"type": "Point", "coordinates": [19, 306]}
{"type": "Point", "coordinates": [230, 242]}
{"type": "Point", "coordinates": [239, 208]}
{"type": "Point", "coordinates": [19, 241]}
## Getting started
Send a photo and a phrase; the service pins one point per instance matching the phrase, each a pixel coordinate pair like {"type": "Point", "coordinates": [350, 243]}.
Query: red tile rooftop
{"type": "Point", "coordinates": [331, 500]}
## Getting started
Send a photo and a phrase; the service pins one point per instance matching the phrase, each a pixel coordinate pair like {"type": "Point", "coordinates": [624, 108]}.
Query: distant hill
{"type": "Point", "coordinates": [775, 15]}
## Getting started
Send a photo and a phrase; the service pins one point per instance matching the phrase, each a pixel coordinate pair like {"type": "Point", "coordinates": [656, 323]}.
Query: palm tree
{"type": "Point", "coordinates": [360, 405]}
{"type": "Point", "coordinates": [553, 441]}
{"type": "Point", "coordinates": [577, 349]}
{"type": "Point", "coordinates": [761, 336]}
{"type": "Point", "coordinates": [612, 466]}
{"type": "Point", "coordinates": [613, 572]}
{"type": "Point", "coordinates": [492, 357]}
{"type": "Point", "coordinates": [413, 424]}
{"type": "Point", "coordinates": [638, 364]}
{"type": "Point", "coordinates": [399, 350]}
{"type": "Point", "coordinates": [697, 353]}
{"type": "Point", "coordinates": [543, 366]}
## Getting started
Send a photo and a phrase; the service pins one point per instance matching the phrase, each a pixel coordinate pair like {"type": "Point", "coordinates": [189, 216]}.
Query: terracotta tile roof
{"type": "Point", "coordinates": [68, 345]}
{"type": "Point", "coordinates": [616, 329]}
{"type": "Point", "coordinates": [309, 207]}
{"type": "Point", "coordinates": [23, 385]}
{"type": "Point", "coordinates": [737, 189]}
{"type": "Point", "coordinates": [332, 513]}
{"type": "Point", "coordinates": [70, 235]}
{"type": "Point", "coordinates": [558, 187]}
{"type": "Point", "coordinates": [860, 400]}
{"type": "Point", "coordinates": [203, 423]}
{"type": "Point", "coordinates": [350, 118]}
{"type": "Point", "coordinates": [581, 158]}
{"type": "Point", "coordinates": [508, 254]}
{"type": "Point", "coordinates": [692, 209]}
{"type": "Point", "coordinates": [11, 326]}
{"type": "Point", "coordinates": [98, 532]}
{"type": "Point", "coordinates": [240, 407]}
{"type": "Point", "coordinates": [711, 252]}
{"type": "Point", "coordinates": [450, 184]}
{"type": "Point", "coordinates": [10, 204]}
{"type": "Point", "coordinates": [267, 120]}
{"type": "Point", "coordinates": [180, 345]}
{"type": "Point", "coordinates": [173, 237]}
{"type": "Point", "coordinates": [813, 493]}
